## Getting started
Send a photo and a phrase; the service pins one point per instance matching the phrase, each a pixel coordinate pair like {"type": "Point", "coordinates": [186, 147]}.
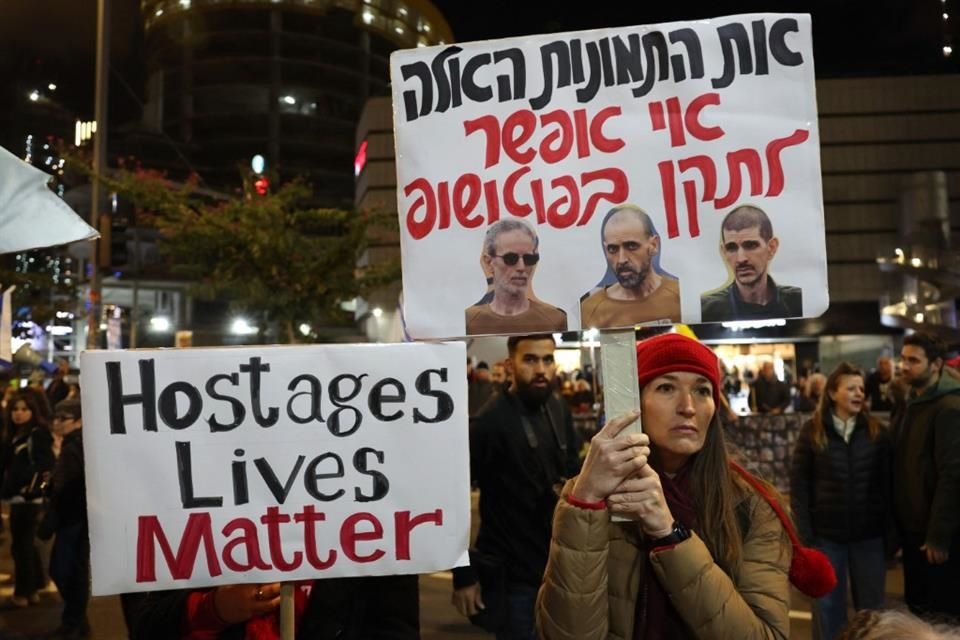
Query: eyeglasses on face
{"type": "Point", "coordinates": [512, 258]}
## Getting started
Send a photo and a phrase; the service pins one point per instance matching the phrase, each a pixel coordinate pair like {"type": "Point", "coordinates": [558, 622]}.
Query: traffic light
{"type": "Point", "coordinates": [261, 185]}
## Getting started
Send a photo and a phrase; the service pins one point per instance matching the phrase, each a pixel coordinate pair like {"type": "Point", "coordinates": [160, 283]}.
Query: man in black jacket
{"type": "Point", "coordinates": [70, 558]}
{"type": "Point", "coordinates": [521, 447]}
{"type": "Point", "coordinates": [926, 479]}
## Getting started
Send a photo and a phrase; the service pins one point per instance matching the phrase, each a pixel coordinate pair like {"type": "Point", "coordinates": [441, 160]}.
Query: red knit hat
{"type": "Point", "coordinates": [674, 352]}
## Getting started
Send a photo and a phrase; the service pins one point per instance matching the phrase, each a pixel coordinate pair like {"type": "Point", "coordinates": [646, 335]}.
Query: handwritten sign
{"type": "Point", "coordinates": [612, 177]}
{"type": "Point", "coordinates": [222, 466]}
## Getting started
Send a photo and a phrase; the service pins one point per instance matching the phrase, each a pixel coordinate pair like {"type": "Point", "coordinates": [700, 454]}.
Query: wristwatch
{"type": "Point", "coordinates": [678, 534]}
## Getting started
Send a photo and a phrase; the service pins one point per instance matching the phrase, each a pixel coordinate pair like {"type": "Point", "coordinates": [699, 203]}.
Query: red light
{"type": "Point", "coordinates": [360, 161]}
{"type": "Point", "coordinates": [261, 185]}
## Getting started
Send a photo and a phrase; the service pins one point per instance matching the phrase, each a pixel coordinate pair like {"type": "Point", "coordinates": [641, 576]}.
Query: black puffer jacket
{"type": "Point", "coordinates": [841, 493]}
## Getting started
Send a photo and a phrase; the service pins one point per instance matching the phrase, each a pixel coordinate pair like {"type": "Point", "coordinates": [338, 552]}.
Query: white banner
{"type": "Point", "coordinates": [222, 466]}
{"type": "Point", "coordinates": [32, 216]}
{"type": "Point", "coordinates": [630, 175]}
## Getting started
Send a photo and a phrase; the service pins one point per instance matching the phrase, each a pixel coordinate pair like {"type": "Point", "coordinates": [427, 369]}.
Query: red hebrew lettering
{"type": "Point", "coordinates": [735, 159]}
{"type": "Point", "coordinates": [583, 140]}
{"type": "Point", "coordinates": [774, 166]}
{"type": "Point", "coordinates": [677, 137]}
{"type": "Point", "coordinates": [601, 142]}
{"type": "Point", "coordinates": [490, 126]}
{"type": "Point", "coordinates": [526, 122]}
{"type": "Point", "coordinates": [197, 530]}
{"type": "Point", "coordinates": [669, 188]}
{"type": "Point", "coordinates": [419, 228]}
{"type": "Point", "coordinates": [443, 199]}
{"type": "Point", "coordinates": [492, 198]}
{"type": "Point", "coordinates": [509, 194]}
{"type": "Point", "coordinates": [563, 135]}
{"type": "Point", "coordinates": [555, 217]}
{"type": "Point", "coordinates": [692, 118]}
{"type": "Point", "coordinates": [536, 190]}
{"type": "Point", "coordinates": [656, 116]}
{"type": "Point", "coordinates": [708, 171]}
{"type": "Point", "coordinates": [690, 197]}
{"type": "Point", "coordinates": [468, 184]}
{"type": "Point", "coordinates": [618, 193]}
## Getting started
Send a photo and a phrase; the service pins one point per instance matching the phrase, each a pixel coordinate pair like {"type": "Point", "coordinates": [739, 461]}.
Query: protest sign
{"type": "Point", "coordinates": [222, 466]}
{"type": "Point", "coordinates": [546, 177]}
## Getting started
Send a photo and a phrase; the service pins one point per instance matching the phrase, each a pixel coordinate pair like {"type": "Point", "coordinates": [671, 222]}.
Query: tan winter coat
{"type": "Point", "coordinates": [592, 581]}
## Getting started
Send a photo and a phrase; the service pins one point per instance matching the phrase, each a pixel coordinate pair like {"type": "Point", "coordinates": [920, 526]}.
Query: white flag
{"type": "Point", "coordinates": [32, 216]}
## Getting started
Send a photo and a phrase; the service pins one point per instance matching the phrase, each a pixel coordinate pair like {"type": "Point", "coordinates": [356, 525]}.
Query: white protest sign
{"type": "Point", "coordinates": [525, 167]}
{"type": "Point", "coordinates": [238, 465]}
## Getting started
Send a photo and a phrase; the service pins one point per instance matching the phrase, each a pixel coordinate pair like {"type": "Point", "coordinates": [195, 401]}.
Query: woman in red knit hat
{"type": "Point", "coordinates": [703, 555]}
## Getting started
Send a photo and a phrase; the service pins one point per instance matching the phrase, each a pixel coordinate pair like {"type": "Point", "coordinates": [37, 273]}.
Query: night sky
{"type": "Point", "coordinates": [53, 40]}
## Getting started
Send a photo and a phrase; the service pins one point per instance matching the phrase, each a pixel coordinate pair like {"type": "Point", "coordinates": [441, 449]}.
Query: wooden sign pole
{"type": "Point", "coordinates": [287, 611]}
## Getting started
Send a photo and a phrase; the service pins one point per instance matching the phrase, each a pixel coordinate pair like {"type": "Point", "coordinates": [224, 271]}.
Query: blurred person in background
{"type": "Point", "coordinates": [878, 385]}
{"type": "Point", "coordinates": [29, 462]}
{"type": "Point", "coordinates": [809, 398]}
{"type": "Point", "coordinates": [840, 493]}
{"type": "Point", "coordinates": [768, 394]}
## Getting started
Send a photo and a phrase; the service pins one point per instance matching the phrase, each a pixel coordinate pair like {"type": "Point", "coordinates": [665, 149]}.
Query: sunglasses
{"type": "Point", "coordinates": [510, 259]}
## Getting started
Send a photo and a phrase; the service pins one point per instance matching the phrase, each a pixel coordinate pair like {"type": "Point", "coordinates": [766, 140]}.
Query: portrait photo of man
{"type": "Point", "coordinates": [634, 289]}
{"type": "Point", "coordinates": [748, 246]}
{"type": "Point", "coordinates": [509, 259]}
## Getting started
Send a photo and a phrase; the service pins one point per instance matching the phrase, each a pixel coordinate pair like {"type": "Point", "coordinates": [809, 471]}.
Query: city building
{"type": "Point", "coordinates": [285, 79]}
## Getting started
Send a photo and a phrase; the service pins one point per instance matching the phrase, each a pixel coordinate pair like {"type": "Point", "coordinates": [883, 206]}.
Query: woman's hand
{"type": "Point", "coordinates": [237, 603]}
{"type": "Point", "coordinates": [641, 498]}
{"type": "Point", "coordinates": [611, 459]}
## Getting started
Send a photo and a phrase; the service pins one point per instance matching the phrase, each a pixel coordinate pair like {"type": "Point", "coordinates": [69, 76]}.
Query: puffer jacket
{"type": "Point", "coordinates": [594, 577]}
{"type": "Point", "coordinates": [841, 493]}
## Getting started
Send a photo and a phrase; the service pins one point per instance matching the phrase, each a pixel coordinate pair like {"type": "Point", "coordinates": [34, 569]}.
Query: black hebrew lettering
{"type": "Point", "coordinates": [381, 485]}
{"type": "Point", "coordinates": [694, 54]}
{"type": "Point", "coordinates": [515, 56]}
{"type": "Point", "coordinates": [754, 59]}
{"type": "Point", "coordinates": [311, 476]}
{"type": "Point", "coordinates": [470, 87]}
{"type": "Point", "coordinates": [547, 53]}
{"type": "Point", "coordinates": [576, 60]}
{"type": "Point", "coordinates": [598, 57]}
{"type": "Point", "coordinates": [445, 405]}
{"type": "Point", "coordinates": [778, 44]}
{"type": "Point", "coordinates": [760, 47]}
{"type": "Point", "coordinates": [279, 491]}
{"type": "Point", "coordinates": [421, 71]}
{"type": "Point", "coordinates": [733, 33]}
{"type": "Point", "coordinates": [185, 476]}
{"type": "Point", "coordinates": [448, 87]}
{"type": "Point", "coordinates": [628, 59]}
{"type": "Point", "coordinates": [653, 44]}
{"type": "Point", "coordinates": [117, 400]}
{"type": "Point", "coordinates": [239, 411]}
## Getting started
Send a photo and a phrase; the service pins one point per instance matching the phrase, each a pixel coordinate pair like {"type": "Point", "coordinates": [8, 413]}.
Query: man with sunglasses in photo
{"type": "Point", "coordinates": [748, 245]}
{"type": "Point", "coordinates": [634, 290]}
{"type": "Point", "coordinates": [510, 257]}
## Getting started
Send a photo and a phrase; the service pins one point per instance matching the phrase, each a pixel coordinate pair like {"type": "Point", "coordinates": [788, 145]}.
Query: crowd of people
{"type": "Point", "coordinates": [659, 534]}
{"type": "Point", "coordinates": [43, 488]}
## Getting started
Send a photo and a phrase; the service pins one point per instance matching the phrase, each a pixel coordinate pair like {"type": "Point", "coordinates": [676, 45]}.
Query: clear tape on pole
{"type": "Point", "coordinates": [621, 391]}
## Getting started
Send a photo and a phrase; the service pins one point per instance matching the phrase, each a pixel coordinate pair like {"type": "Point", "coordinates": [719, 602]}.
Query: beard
{"type": "Point", "coordinates": [534, 396]}
{"type": "Point", "coordinates": [630, 277]}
